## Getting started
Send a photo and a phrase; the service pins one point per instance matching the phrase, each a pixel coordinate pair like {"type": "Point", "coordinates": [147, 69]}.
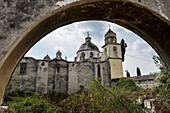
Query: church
{"type": "Point", "coordinates": [57, 75]}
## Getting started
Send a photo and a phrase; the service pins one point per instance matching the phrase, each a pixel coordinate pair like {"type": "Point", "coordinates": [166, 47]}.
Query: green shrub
{"type": "Point", "coordinates": [163, 90]}
{"type": "Point", "coordinates": [21, 102]}
{"type": "Point", "coordinates": [99, 98]}
{"type": "Point", "coordinates": [128, 84]}
{"type": "Point", "coordinates": [95, 98]}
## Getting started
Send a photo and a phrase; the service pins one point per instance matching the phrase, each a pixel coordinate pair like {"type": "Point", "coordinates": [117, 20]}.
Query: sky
{"type": "Point", "coordinates": [69, 38]}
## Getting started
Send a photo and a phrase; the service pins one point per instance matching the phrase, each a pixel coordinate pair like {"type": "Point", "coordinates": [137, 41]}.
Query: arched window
{"type": "Point", "coordinates": [114, 52]}
{"type": "Point", "coordinates": [82, 56]}
{"type": "Point", "coordinates": [105, 52]}
{"type": "Point", "coordinates": [91, 54]}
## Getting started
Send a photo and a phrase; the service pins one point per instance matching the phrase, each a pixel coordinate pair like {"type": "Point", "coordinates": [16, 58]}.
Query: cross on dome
{"type": "Point", "coordinates": [88, 34]}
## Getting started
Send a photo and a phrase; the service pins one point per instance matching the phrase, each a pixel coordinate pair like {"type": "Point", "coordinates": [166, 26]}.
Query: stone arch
{"type": "Point", "coordinates": [142, 20]}
{"type": "Point", "coordinates": [115, 52]}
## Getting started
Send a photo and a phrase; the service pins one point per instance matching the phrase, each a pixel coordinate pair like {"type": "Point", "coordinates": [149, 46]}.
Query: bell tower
{"type": "Point", "coordinates": [112, 52]}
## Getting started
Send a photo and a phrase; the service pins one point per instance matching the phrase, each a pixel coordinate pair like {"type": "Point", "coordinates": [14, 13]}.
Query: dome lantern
{"type": "Point", "coordinates": [110, 37]}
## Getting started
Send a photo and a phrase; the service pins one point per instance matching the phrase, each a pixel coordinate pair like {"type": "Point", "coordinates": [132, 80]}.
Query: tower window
{"type": "Point", "coordinates": [114, 52]}
{"type": "Point", "coordinates": [23, 68]}
{"type": "Point", "coordinates": [105, 54]}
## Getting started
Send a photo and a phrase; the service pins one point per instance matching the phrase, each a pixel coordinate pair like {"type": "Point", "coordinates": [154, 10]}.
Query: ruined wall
{"type": "Point", "coordinates": [61, 77]}
{"type": "Point", "coordinates": [102, 71]}
{"type": "Point", "coordinates": [42, 76]}
{"type": "Point", "coordinates": [25, 82]}
{"type": "Point", "coordinates": [79, 74]}
{"type": "Point", "coordinates": [145, 81]}
{"type": "Point", "coordinates": [51, 76]}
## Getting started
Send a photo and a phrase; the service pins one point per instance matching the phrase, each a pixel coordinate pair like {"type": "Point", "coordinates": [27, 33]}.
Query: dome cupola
{"type": "Point", "coordinates": [110, 37]}
{"type": "Point", "coordinates": [88, 45]}
{"type": "Point", "coordinates": [87, 49]}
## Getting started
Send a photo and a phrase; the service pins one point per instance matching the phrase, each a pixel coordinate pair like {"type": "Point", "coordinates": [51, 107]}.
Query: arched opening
{"type": "Point", "coordinates": [105, 53]}
{"type": "Point", "coordinates": [129, 15]}
{"type": "Point", "coordinates": [114, 52]}
{"type": "Point", "coordinates": [98, 72]}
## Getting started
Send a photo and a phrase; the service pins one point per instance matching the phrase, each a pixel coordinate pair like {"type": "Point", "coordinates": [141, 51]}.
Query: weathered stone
{"type": "Point", "coordinates": [145, 81]}
{"type": "Point", "coordinates": [57, 75]}
{"type": "Point", "coordinates": [147, 104]}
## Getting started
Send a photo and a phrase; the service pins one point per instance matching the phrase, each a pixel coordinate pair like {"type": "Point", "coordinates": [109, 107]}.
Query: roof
{"type": "Point", "coordinates": [110, 33]}
{"type": "Point", "coordinates": [88, 45]}
{"type": "Point", "coordinates": [46, 57]}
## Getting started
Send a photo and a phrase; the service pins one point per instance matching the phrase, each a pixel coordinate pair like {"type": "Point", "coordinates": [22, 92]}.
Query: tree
{"type": "Point", "coordinates": [123, 49]}
{"type": "Point", "coordinates": [127, 74]}
{"type": "Point", "coordinates": [163, 90]}
{"type": "Point", "coordinates": [138, 71]}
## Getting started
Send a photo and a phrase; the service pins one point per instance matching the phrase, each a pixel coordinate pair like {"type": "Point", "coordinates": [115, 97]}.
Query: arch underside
{"type": "Point", "coordinates": [144, 22]}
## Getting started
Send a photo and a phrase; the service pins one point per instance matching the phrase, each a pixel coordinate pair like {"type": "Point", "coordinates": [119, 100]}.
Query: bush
{"type": "Point", "coordinates": [95, 98]}
{"type": "Point", "coordinates": [23, 102]}
{"type": "Point", "coordinates": [128, 84]}
{"type": "Point", "coordinates": [163, 90]}
{"type": "Point", "coordinates": [99, 98]}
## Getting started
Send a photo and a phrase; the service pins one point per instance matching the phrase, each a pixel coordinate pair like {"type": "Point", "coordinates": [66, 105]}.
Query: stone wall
{"type": "Point", "coordinates": [79, 74]}
{"type": "Point", "coordinates": [28, 80]}
{"type": "Point", "coordinates": [58, 75]}
{"type": "Point", "coordinates": [42, 76]}
{"type": "Point", "coordinates": [146, 81]}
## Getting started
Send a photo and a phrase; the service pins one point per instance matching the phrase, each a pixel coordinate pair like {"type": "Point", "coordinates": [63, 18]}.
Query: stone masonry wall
{"type": "Point", "coordinates": [42, 76]}
{"type": "Point", "coordinates": [27, 81]}
{"type": "Point", "coordinates": [79, 74]}
{"type": "Point", "coordinates": [145, 81]}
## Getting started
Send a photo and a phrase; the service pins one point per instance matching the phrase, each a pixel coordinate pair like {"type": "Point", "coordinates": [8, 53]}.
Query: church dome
{"type": "Point", "coordinates": [87, 50]}
{"type": "Point", "coordinates": [110, 33]}
{"type": "Point", "coordinates": [88, 45]}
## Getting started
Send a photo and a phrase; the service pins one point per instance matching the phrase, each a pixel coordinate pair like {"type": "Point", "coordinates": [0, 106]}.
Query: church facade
{"type": "Point", "coordinates": [61, 76]}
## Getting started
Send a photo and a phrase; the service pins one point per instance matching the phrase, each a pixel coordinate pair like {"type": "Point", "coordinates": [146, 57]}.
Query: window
{"type": "Point", "coordinates": [91, 54]}
{"type": "Point", "coordinates": [23, 67]}
{"type": "Point", "coordinates": [105, 54]}
{"type": "Point", "coordinates": [114, 52]}
{"type": "Point", "coordinates": [98, 72]}
{"type": "Point", "coordinates": [82, 56]}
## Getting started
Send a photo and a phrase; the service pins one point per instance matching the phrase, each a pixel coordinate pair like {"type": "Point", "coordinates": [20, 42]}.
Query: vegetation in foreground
{"type": "Point", "coordinates": [95, 98]}
{"type": "Point", "coordinates": [163, 89]}
{"type": "Point", "coordinates": [120, 98]}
